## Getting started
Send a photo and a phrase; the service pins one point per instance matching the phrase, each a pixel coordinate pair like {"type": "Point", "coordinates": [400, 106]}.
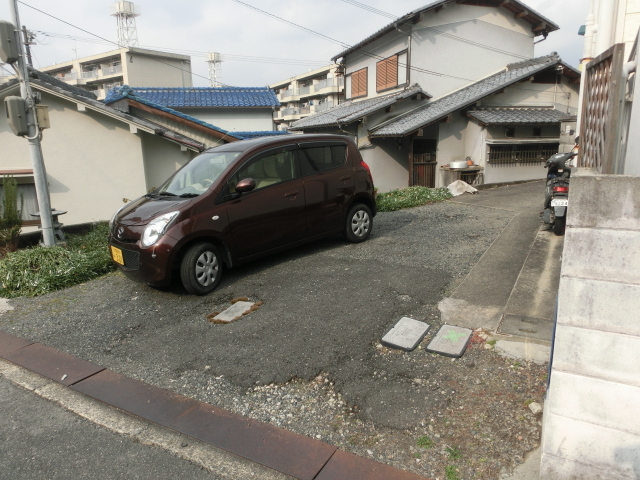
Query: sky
{"type": "Point", "coordinates": [277, 50]}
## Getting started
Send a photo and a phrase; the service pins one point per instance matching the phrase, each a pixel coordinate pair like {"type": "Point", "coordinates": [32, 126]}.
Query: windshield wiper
{"type": "Point", "coordinates": [166, 194]}
{"type": "Point", "coordinates": [189, 195]}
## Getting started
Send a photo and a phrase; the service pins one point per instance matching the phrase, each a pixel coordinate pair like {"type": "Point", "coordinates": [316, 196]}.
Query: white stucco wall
{"type": "Point", "coordinates": [234, 119]}
{"type": "Point", "coordinates": [147, 71]}
{"type": "Point", "coordinates": [564, 95]}
{"type": "Point", "coordinates": [92, 160]}
{"type": "Point", "coordinates": [390, 44]}
{"type": "Point", "coordinates": [389, 163]}
{"type": "Point", "coordinates": [161, 159]}
{"type": "Point", "coordinates": [451, 145]}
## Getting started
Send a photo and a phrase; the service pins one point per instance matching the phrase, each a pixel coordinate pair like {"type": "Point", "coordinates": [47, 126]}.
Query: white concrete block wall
{"type": "Point", "coordinates": [591, 426]}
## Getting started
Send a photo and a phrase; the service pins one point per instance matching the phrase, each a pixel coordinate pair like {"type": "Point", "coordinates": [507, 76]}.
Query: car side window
{"type": "Point", "coordinates": [318, 158]}
{"type": "Point", "coordinates": [267, 169]}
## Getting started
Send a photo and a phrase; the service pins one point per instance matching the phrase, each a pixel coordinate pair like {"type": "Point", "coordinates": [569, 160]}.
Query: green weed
{"type": "Point", "coordinates": [454, 453]}
{"type": "Point", "coordinates": [39, 270]}
{"type": "Point", "coordinates": [425, 442]}
{"type": "Point", "coordinates": [451, 473]}
{"type": "Point", "coordinates": [410, 197]}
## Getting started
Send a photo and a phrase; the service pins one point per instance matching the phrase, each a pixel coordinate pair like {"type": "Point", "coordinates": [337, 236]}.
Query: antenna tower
{"type": "Point", "coordinates": [215, 71]}
{"type": "Point", "coordinates": [126, 13]}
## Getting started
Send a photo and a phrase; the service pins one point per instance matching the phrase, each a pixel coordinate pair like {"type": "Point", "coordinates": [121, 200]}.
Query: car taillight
{"type": "Point", "coordinates": [560, 189]}
{"type": "Point", "coordinates": [364, 164]}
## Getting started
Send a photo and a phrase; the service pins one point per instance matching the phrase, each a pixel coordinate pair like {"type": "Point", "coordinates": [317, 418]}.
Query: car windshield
{"type": "Point", "coordinates": [197, 176]}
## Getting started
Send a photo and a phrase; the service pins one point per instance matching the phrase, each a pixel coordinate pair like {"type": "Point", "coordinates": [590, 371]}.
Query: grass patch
{"type": "Point", "coordinates": [425, 442]}
{"type": "Point", "coordinates": [451, 473]}
{"type": "Point", "coordinates": [410, 197]}
{"type": "Point", "coordinates": [454, 453]}
{"type": "Point", "coordinates": [39, 270]}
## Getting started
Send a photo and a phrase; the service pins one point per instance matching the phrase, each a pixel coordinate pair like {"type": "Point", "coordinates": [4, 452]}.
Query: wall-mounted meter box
{"type": "Point", "coordinates": [17, 115]}
{"type": "Point", "coordinates": [42, 114]}
{"type": "Point", "coordinates": [9, 50]}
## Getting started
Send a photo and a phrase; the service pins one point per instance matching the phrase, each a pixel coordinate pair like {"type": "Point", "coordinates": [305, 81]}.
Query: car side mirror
{"type": "Point", "coordinates": [245, 185]}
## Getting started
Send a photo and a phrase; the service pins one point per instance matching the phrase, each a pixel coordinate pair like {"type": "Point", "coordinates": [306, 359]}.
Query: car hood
{"type": "Point", "coordinates": [143, 210]}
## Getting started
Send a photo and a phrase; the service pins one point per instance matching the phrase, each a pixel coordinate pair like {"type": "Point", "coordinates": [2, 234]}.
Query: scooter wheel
{"type": "Point", "coordinates": [559, 225]}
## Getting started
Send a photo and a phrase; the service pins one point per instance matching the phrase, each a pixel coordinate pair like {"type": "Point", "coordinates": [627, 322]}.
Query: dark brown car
{"type": "Point", "coordinates": [240, 201]}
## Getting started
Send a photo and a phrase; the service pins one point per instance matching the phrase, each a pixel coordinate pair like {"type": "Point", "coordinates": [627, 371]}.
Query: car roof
{"type": "Point", "coordinates": [244, 145]}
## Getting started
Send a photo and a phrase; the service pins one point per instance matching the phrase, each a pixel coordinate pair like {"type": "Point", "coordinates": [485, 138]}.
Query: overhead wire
{"type": "Point", "coordinates": [111, 42]}
{"type": "Point", "coordinates": [346, 46]}
{"type": "Point", "coordinates": [444, 34]}
{"type": "Point", "coordinates": [196, 53]}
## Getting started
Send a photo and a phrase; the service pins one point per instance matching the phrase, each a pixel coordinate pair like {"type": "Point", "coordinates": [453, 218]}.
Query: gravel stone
{"type": "Point", "coordinates": [310, 359]}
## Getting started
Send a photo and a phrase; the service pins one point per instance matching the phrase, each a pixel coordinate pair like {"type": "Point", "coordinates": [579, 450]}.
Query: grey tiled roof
{"type": "Point", "coordinates": [551, 26]}
{"type": "Point", "coordinates": [350, 110]}
{"type": "Point", "coordinates": [517, 115]}
{"type": "Point", "coordinates": [441, 107]}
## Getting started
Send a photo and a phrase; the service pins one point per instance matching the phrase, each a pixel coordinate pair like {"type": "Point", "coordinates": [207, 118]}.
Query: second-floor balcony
{"type": "Point", "coordinates": [113, 70]}
{"type": "Point", "coordinates": [90, 74]}
{"type": "Point", "coordinates": [328, 83]}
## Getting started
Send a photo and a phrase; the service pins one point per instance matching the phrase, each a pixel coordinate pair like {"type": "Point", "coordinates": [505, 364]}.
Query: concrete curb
{"type": "Point", "coordinates": [228, 444]}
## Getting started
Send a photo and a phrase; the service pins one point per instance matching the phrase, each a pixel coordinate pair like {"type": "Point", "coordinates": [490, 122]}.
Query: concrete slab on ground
{"type": "Point", "coordinates": [406, 334]}
{"type": "Point", "coordinates": [450, 341]}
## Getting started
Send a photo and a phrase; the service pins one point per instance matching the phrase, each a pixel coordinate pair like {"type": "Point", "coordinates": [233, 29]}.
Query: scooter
{"type": "Point", "coordinates": [556, 198]}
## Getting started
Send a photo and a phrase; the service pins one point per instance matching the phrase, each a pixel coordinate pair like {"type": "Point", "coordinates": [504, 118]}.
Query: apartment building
{"type": "Point", "coordinates": [311, 92]}
{"type": "Point", "coordinates": [133, 66]}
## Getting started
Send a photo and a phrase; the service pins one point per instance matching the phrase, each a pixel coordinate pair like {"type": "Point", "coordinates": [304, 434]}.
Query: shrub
{"type": "Point", "coordinates": [39, 270]}
{"type": "Point", "coordinates": [11, 217]}
{"type": "Point", "coordinates": [410, 197]}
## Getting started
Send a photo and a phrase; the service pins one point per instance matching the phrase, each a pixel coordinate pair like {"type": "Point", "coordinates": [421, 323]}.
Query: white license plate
{"type": "Point", "coordinates": [557, 202]}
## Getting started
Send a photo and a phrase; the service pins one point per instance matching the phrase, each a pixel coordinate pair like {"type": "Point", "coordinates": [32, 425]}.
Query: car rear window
{"type": "Point", "coordinates": [318, 158]}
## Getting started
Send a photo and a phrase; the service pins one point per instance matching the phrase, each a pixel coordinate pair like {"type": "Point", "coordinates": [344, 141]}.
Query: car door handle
{"type": "Point", "coordinates": [292, 193]}
{"type": "Point", "coordinates": [346, 177]}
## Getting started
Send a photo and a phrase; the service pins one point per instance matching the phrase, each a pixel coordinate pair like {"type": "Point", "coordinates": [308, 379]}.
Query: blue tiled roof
{"type": "Point", "coordinates": [125, 91]}
{"type": "Point", "coordinates": [210, 97]}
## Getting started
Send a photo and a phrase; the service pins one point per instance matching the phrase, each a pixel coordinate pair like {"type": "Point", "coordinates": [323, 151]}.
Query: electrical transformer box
{"type": "Point", "coordinates": [17, 115]}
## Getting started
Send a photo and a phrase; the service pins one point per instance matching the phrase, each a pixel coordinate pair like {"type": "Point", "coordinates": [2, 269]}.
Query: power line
{"type": "Point", "coordinates": [196, 53]}
{"type": "Point", "coordinates": [345, 45]}
{"type": "Point", "coordinates": [444, 34]}
{"type": "Point", "coordinates": [371, 9]}
{"type": "Point", "coordinates": [111, 42]}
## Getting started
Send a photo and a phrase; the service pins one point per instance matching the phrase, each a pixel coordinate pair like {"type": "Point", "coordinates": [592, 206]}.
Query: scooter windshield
{"type": "Point", "coordinates": [198, 175]}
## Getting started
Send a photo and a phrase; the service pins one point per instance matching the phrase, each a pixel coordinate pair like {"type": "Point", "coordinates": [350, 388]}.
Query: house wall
{"type": "Point", "coordinates": [495, 27]}
{"type": "Point", "coordinates": [391, 44]}
{"type": "Point", "coordinates": [92, 161]}
{"type": "Point", "coordinates": [451, 145]}
{"type": "Point", "coordinates": [460, 61]}
{"type": "Point", "coordinates": [234, 119]}
{"type": "Point", "coordinates": [590, 426]}
{"type": "Point", "coordinates": [147, 71]}
{"type": "Point", "coordinates": [388, 160]}
{"type": "Point", "coordinates": [161, 159]}
{"type": "Point", "coordinates": [563, 96]}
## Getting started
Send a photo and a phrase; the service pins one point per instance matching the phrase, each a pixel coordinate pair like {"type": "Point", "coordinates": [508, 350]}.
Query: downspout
{"type": "Point", "coordinates": [605, 26]}
{"type": "Point", "coordinates": [587, 56]}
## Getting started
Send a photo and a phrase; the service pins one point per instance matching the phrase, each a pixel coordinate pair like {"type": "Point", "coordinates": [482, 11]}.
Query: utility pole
{"type": "Point", "coordinates": [27, 44]}
{"type": "Point", "coordinates": [39, 171]}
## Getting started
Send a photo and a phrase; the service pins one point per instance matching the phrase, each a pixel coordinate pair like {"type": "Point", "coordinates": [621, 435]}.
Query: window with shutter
{"type": "Point", "coordinates": [387, 73]}
{"type": "Point", "coordinates": [359, 83]}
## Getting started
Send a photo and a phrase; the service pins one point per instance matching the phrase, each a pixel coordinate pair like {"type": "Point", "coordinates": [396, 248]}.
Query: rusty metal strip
{"type": "Point", "coordinates": [292, 454]}
{"type": "Point", "coordinates": [10, 343]}
{"type": "Point", "coordinates": [345, 465]}
{"type": "Point", "coordinates": [53, 364]}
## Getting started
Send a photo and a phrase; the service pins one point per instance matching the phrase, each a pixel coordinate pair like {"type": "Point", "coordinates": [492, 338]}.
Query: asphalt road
{"type": "Point", "coordinates": [61, 445]}
{"type": "Point", "coordinates": [326, 305]}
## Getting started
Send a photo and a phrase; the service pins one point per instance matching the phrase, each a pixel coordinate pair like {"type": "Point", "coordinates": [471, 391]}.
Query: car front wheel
{"type": "Point", "coordinates": [201, 268]}
{"type": "Point", "coordinates": [359, 223]}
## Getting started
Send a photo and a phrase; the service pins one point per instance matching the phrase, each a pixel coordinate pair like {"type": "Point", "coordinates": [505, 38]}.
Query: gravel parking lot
{"type": "Point", "coordinates": [309, 358]}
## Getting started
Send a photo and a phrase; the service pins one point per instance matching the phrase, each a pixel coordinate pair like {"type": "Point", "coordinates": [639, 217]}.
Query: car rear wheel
{"type": "Point", "coordinates": [359, 223]}
{"type": "Point", "coordinates": [201, 268]}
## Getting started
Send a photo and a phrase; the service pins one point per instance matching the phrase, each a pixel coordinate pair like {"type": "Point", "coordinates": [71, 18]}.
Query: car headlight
{"type": "Point", "coordinates": [156, 228]}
